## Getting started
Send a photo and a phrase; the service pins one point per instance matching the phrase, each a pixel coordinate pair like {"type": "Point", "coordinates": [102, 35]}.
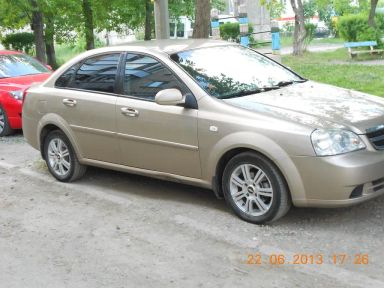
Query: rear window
{"type": "Point", "coordinates": [16, 65]}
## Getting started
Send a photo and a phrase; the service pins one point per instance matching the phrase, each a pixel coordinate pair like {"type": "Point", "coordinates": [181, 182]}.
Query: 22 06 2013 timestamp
{"type": "Point", "coordinates": [307, 259]}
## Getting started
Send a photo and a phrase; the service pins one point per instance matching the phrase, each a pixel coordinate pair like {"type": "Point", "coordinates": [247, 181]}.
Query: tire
{"type": "Point", "coordinates": [61, 158]}
{"type": "Point", "coordinates": [5, 128]}
{"type": "Point", "coordinates": [242, 194]}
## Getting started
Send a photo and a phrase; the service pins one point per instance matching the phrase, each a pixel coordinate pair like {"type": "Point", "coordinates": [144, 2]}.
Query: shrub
{"type": "Point", "coordinates": [380, 22]}
{"type": "Point", "coordinates": [355, 28]}
{"type": "Point", "coordinates": [23, 41]}
{"type": "Point", "coordinates": [310, 30]}
{"type": "Point", "coordinates": [231, 31]}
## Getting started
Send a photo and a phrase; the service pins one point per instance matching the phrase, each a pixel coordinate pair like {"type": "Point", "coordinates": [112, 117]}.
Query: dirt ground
{"type": "Point", "coordinates": [112, 229]}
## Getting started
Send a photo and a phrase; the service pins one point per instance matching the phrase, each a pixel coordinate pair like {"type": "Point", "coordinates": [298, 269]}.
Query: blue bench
{"type": "Point", "coordinates": [354, 53]}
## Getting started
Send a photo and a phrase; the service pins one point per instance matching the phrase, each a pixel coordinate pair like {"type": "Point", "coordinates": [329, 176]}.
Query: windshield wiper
{"type": "Point", "coordinates": [242, 93]}
{"type": "Point", "coordinates": [250, 92]}
{"type": "Point", "coordinates": [262, 89]}
{"type": "Point", "coordinates": [286, 83]}
{"type": "Point", "coordinates": [29, 74]}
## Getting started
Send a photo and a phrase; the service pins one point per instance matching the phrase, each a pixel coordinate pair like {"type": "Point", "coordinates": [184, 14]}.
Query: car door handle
{"type": "Point", "coordinates": [131, 112]}
{"type": "Point", "coordinates": [69, 102]}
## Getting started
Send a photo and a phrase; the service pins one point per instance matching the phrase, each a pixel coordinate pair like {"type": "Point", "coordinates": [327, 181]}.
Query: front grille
{"type": "Point", "coordinates": [376, 136]}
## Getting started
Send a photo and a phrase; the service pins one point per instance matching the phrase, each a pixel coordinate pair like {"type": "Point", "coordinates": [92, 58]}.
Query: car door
{"type": "Point", "coordinates": [151, 136]}
{"type": "Point", "coordinates": [85, 98]}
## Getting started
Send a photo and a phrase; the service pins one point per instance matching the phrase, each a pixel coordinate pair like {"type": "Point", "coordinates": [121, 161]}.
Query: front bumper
{"type": "Point", "coordinates": [342, 180]}
{"type": "Point", "coordinates": [13, 109]}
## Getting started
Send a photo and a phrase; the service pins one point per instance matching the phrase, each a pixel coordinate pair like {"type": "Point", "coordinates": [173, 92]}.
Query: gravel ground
{"type": "Point", "coordinates": [112, 229]}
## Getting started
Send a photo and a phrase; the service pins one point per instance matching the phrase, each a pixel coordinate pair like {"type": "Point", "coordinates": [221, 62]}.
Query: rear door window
{"type": "Point", "coordinates": [95, 74]}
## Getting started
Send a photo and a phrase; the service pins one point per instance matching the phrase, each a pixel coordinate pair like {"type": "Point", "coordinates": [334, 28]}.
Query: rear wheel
{"type": "Point", "coordinates": [5, 128]}
{"type": "Point", "coordinates": [255, 189]}
{"type": "Point", "coordinates": [61, 158]}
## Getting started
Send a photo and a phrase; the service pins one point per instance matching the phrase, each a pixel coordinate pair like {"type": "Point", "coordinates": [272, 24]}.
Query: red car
{"type": "Point", "coordinates": [17, 72]}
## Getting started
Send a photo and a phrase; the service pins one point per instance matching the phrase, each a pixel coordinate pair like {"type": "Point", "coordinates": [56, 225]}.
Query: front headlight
{"type": "Point", "coordinates": [335, 141]}
{"type": "Point", "coordinates": [18, 95]}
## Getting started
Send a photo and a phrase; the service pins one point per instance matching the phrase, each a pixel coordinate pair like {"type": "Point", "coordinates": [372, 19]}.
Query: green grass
{"type": "Point", "coordinates": [337, 69]}
{"type": "Point", "coordinates": [287, 41]}
{"type": "Point", "coordinates": [66, 52]}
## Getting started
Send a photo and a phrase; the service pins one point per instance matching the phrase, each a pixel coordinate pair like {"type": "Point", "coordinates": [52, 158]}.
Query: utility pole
{"type": "Point", "coordinates": [161, 19]}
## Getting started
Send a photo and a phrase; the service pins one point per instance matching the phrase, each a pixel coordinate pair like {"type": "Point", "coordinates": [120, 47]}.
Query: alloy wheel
{"type": "Point", "coordinates": [251, 190]}
{"type": "Point", "coordinates": [59, 158]}
{"type": "Point", "coordinates": [2, 120]}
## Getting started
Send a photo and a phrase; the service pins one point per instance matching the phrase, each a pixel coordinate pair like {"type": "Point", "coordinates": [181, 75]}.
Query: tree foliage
{"type": "Point", "coordinates": [19, 41]}
{"type": "Point", "coordinates": [355, 28]}
{"type": "Point", "coordinates": [67, 21]}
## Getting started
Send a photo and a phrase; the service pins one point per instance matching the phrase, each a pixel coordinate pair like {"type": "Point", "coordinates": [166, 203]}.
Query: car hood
{"type": "Point", "coordinates": [317, 105]}
{"type": "Point", "coordinates": [22, 82]}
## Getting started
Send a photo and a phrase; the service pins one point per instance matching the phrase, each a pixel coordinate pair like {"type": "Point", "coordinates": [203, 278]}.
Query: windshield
{"type": "Point", "coordinates": [15, 65]}
{"type": "Point", "coordinates": [233, 71]}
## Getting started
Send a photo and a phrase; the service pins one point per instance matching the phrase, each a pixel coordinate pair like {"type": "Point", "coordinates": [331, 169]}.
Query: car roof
{"type": "Point", "coordinates": [171, 46]}
{"type": "Point", "coordinates": [8, 52]}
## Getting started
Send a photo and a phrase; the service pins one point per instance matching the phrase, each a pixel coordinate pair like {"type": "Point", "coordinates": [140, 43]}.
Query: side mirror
{"type": "Point", "coordinates": [49, 67]}
{"type": "Point", "coordinates": [169, 97]}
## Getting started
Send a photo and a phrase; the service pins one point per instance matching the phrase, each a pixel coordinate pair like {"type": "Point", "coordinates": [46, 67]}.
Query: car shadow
{"type": "Point", "coordinates": [147, 187]}
{"type": "Point", "coordinates": [131, 184]}
{"type": "Point", "coordinates": [359, 216]}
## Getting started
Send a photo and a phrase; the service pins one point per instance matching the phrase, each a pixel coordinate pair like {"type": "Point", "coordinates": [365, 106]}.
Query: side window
{"type": "Point", "coordinates": [145, 76]}
{"type": "Point", "coordinates": [68, 75]}
{"type": "Point", "coordinates": [96, 74]}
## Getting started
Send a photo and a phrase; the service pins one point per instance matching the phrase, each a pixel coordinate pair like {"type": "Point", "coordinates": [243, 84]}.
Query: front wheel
{"type": "Point", "coordinates": [61, 158]}
{"type": "Point", "coordinates": [255, 189]}
{"type": "Point", "coordinates": [5, 128]}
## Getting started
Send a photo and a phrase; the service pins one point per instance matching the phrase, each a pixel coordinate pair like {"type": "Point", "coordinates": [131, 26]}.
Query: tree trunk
{"type": "Point", "coordinates": [299, 33]}
{"type": "Point", "coordinates": [88, 25]}
{"type": "Point", "coordinates": [148, 17]}
{"type": "Point", "coordinates": [38, 31]}
{"type": "Point", "coordinates": [372, 11]}
{"type": "Point", "coordinates": [50, 42]}
{"type": "Point", "coordinates": [202, 19]}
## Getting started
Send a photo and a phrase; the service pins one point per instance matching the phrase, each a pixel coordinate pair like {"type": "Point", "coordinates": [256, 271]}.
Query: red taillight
{"type": "Point", "coordinates": [24, 95]}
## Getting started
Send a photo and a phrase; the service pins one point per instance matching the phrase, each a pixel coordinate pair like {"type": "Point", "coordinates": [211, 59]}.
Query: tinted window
{"type": "Point", "coordinates": [15, 65]}
{"type": "Point", "coordinates": [96, 74]}
{"type": "Point", "coordinates": [145, 76]}
{"type": "Point", "coordinates": [65, 78]}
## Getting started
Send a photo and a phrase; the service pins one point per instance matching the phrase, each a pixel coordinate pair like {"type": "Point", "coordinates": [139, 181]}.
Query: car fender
{"type": "Point", "coordinates": [56, 120]}
{"type": "Point", "coordinates": [263, 145]}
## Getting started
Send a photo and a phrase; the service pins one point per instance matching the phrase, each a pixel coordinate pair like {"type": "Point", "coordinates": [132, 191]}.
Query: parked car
{"type": "Point", "coordinates": [212, 114]}
{"type": "Point", "coordinates": [17, 72]}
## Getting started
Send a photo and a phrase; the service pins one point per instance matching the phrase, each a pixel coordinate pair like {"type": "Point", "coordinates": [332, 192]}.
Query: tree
{"type": "Point", "coordinates": [276, 8]}
{"type": "Point", "coordinates": [372, 12]}
{"type": "Point", "coordinates": [148, 20]}
{"type": "Point", "coordinates": [38, 30]}
{"type": "Point", "coordinates": [17, 14]}
{"type": "Point", "coordinates": [202, 19]}
{"type": "Point", "coordinates": [50, 41]}
{"type": "Point", "coordinates": [299, 32]}
{"type": "Point", "coordinates": [88, 24]}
